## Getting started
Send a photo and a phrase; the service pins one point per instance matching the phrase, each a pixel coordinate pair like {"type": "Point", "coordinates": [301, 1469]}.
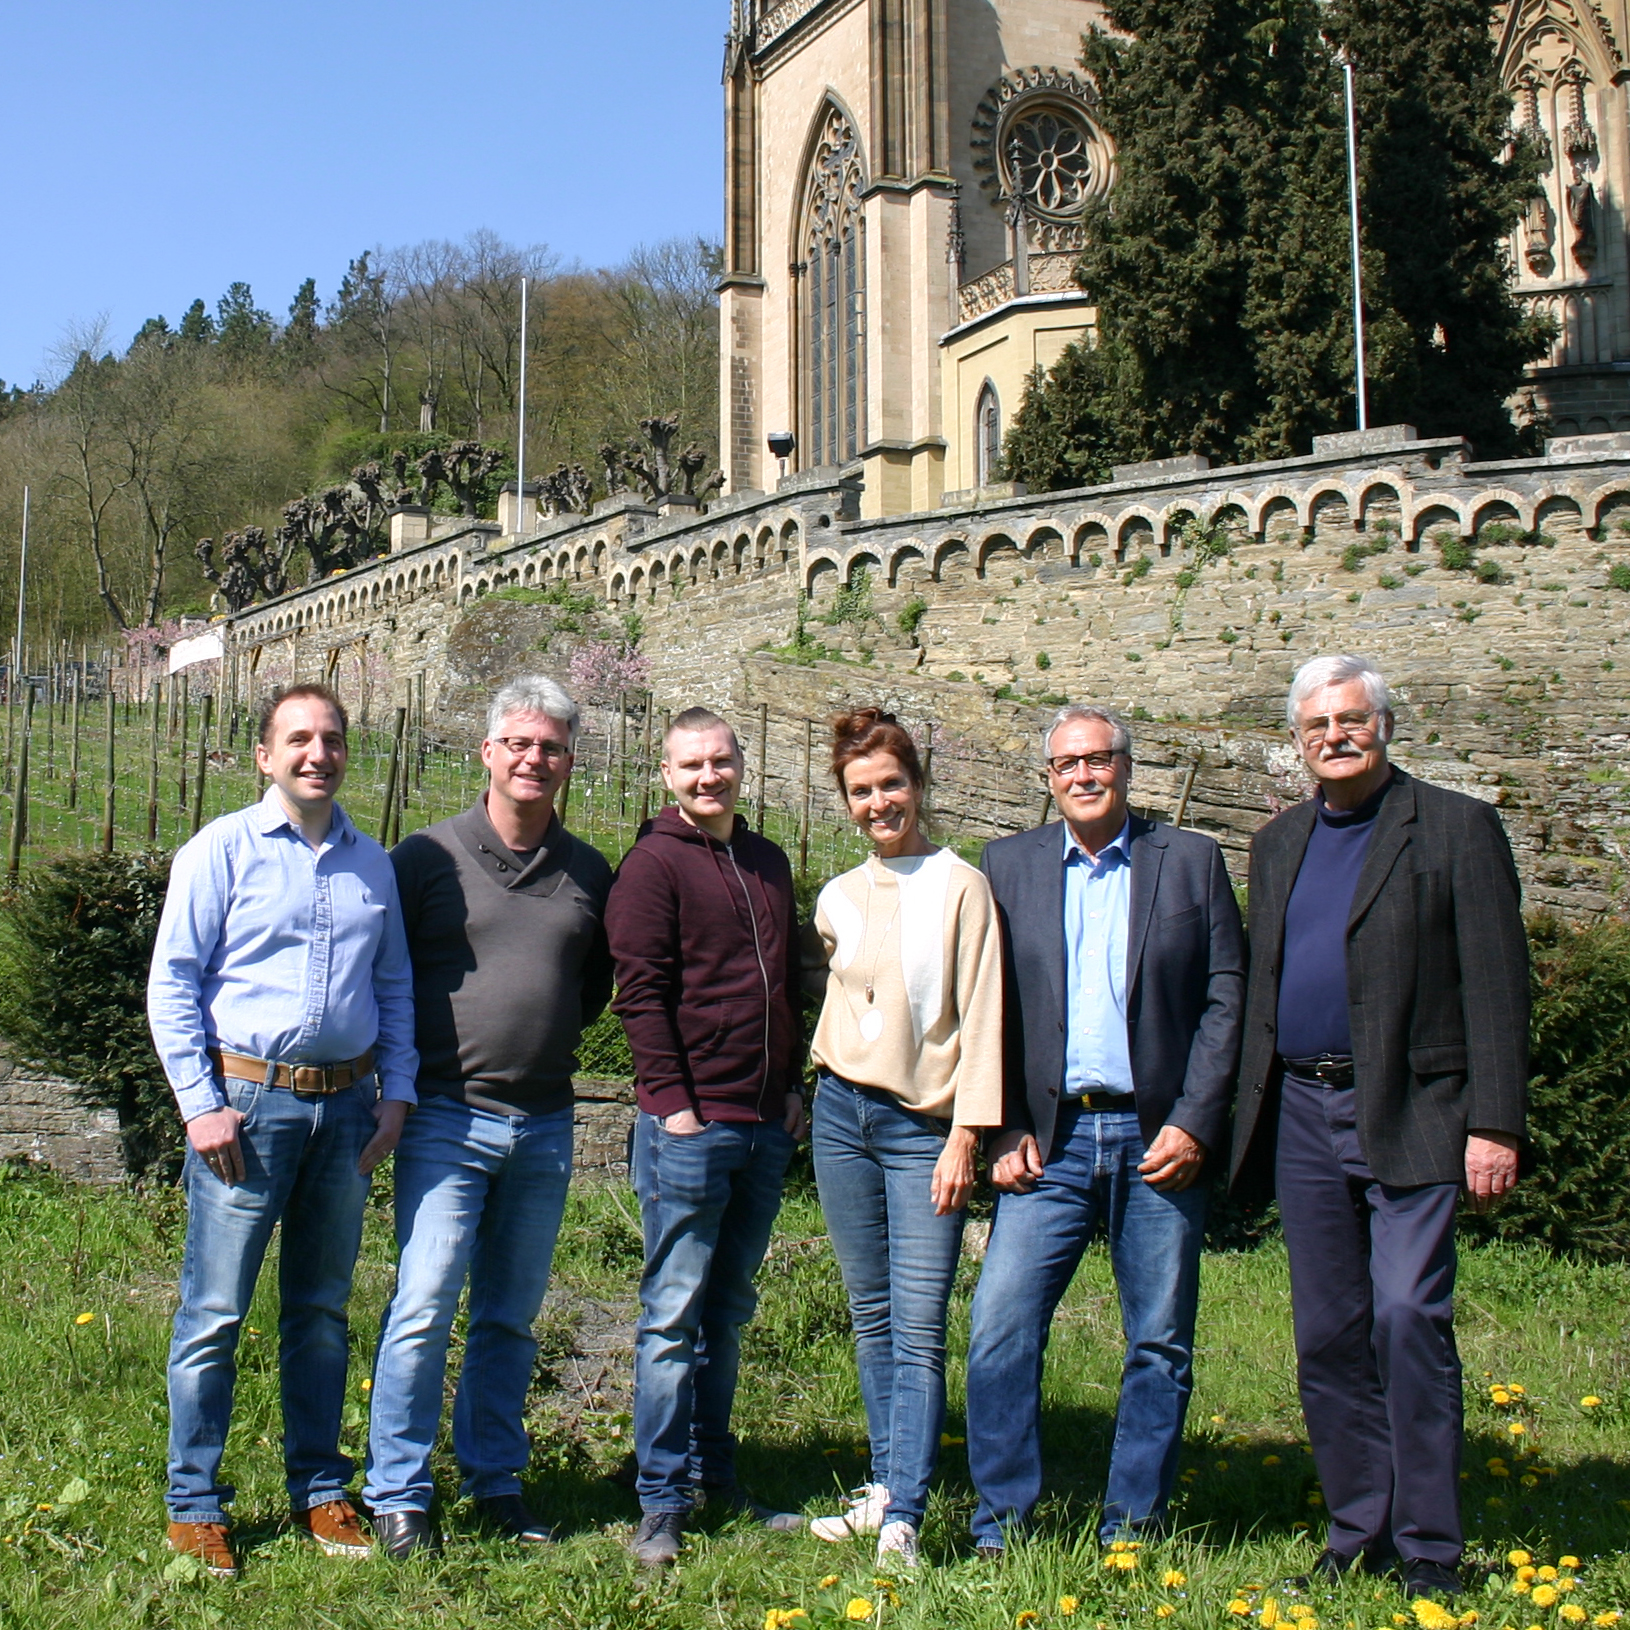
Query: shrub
{"type": "Point", "coordinates": [1618, 575]}
{"type": "Point", "coordinates": [1579, 1094]}
{"type": "Point", "coordinates": [911, 616]}
{"type": "Point", "coordinates": [75, 941]}
{"type": "Point", "coordinates": [1454, 552]}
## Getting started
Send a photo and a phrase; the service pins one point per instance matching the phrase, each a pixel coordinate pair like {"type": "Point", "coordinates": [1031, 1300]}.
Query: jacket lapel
{"type": "Point", "coordinates": [1392, 832]}
{"type": "Point", "coordinates": [1281, 860]}
{"type": "Point", "coordinates": [1048, 861]}
{"type": "Point", "coordinates": [1148, 848]}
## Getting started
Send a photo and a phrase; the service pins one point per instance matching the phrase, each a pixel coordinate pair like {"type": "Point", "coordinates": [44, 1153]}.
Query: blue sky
{"type": "Point", "coordinates": [158, 151]}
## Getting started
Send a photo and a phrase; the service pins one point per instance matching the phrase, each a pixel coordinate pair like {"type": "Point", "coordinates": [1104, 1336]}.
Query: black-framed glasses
{"type": "Point", "coordinates": [1066, 764]}
{"type": "Point", "coordinates": [522, 746]}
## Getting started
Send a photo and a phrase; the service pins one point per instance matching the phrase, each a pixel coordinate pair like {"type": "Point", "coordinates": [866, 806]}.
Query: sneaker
{"type": "Point", "coordinates": [337, 1529]}
{"type": "Point", "coordinates": [656, 1542]}
{"type": "Point", "coordinates": [207, 1542]}
{"type": "Point", "coordinates": [862, 1514]}
{"type": "Point", "coordinates": [732, 1497]}
{"type": "Point", "coordinates": [897, 1545]}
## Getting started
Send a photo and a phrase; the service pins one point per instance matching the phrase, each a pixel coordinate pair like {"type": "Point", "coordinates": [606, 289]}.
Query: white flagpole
{"type": "Point", "coordinates": [520, 440]}
{"type": "Point", "coordinates": [1358, 268]}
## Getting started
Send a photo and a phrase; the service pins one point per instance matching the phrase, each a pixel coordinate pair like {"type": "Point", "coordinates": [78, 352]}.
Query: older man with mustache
{"type": "Point", "coordinates": [1384, 1074]}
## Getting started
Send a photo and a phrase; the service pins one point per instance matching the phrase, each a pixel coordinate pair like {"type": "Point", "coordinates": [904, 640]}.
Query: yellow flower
{"type": "Point", "coordinates": [367, 1384]}
{"type": "Point", "coordinates": [1270, 1612]}
{"type": "Point", "coordinates": [1239, 1607]}
{"type": "Point", "coordinates": [1302, 1612]}
{"type": "Point", "coordinates": [780, 1618]}
{"type": "Point", "coordinates": [1573, 1613]}
{"type": "Point", "coordinates": [1024, 1618]}
{"type": "Point", "coordinates": [1567, 1561]}
{"type": "Point", "coordinates": [1124, 1560]}
{"type": "Point", "coordinates": [1518, 1559]}
{"type": "Point", "coordinates": [1165, 1610]}
{"type": "Point", "coordinates": [1315, 1498]}
{"type": "Point", "coordinates": [1173, 1580]}
{"type": "Point", "coordinates": [1590, 1401]}
{"type": "Point", "coordinates": [1527, 1571]}
{"type": "Point", "coordinates": [1467, 1618]}
{"type": "Point", "coordinates": [1499, 1471]}
{"type": "Point", "coordinates": [1529, 1481]}
{"type": "Point", "coordinates": [1400, 1618]}
{"type": "Point", "coordinates": [1217, 1420]}
{"type": "Point", "coordinates": [1547, 1573]}
{"type": "Point", "coordinates": [1544, 1595]}
{"type": "Point", "coordinates": [829, 1581]}
{"type": "Point", "coordinates": [1567, 1584]}
{"type": "Point", "coordinates": [1605, 1619]}
{"type": "Point", "coordinates": [1222, 1465]}
{"type": "Point", "coordinates": [1500, 1395]}
{"type": "Point", "coordinates": [1432, 1616]}
{"type": "Point", "coordinates": [1270, 1460]}
{"type": "Point", "coordinates": [1067, 1605]}
{"type": "Point", "coordinates": [1521, 1587]}
{"type": "Point", "coordinates": [1516, 1390]}
{"type": "Point", "coordinates": [1119, 1545]}
{"type": "Point", "coordinates": [1516, 1429]}
{"type": "Point", "coordinates": [858, 1608]}
{"type": "Point", "coordinates": [84, 1318]}
{"type": "Point", "coordinates": [949, 1442]}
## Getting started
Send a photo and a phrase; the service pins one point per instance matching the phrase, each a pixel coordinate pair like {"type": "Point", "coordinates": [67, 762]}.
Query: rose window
{"type": "Point", "coordinates": [1053, 159]}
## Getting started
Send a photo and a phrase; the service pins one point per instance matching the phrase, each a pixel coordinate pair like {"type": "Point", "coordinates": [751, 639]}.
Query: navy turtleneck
{"type": "Point", "coordinates": [1313, 967]}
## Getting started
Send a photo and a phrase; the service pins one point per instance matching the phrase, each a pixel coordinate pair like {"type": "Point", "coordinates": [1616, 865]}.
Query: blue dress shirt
{"type": "Point", "coordinates": [274, 949]}
{"type": "Point", "coordinates": [1097, 911]}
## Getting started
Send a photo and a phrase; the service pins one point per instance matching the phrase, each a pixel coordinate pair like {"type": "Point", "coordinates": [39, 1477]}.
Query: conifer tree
{"type": "Point", "coordinates": [1220, 262]}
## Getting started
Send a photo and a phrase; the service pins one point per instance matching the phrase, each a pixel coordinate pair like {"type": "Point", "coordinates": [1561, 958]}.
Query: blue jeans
{"type": "Point", "coordinates": [300, 1167]}
{"type": "Point", "coordinates": [708, 1203]}
{"type": "Point", "coordinates": [482, 1194]}
{"type": "Point", "coordinates": [874, 1164]}
{"type": "Point", "coordinates": [1036, 1244]}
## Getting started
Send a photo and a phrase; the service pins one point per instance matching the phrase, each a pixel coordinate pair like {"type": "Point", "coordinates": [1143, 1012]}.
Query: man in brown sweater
{"type": "Point", "coordinates": [503, 908]}
{"type": "Point", "coordinates": [703, 926]}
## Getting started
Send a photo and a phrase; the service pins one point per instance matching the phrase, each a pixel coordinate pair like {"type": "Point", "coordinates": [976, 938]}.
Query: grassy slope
{"type": "Point", "coordinates": [82, 1413]}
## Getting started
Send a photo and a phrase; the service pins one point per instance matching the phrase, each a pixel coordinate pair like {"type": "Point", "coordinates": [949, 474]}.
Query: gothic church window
{"type": "Point", "coordinates": [987, 436]}
{"type": "Point", "coordinates": [833, 295]}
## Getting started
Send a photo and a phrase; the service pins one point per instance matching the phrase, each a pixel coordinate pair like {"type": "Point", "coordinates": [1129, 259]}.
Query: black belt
{"type": "Point", "coordinates": [1333, 1069]}
{"type": "Point", "coordinates": [1100, 1101]}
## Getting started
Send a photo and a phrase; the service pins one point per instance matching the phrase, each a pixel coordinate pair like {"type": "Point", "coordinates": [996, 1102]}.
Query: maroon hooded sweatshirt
{"type": "Point", "coordinates": [705, 939]}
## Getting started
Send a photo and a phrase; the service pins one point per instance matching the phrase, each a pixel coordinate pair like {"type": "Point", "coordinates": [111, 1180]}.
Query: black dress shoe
{"type": "Point", "coordinates": [402, 1534]}
{"type": "Point", "coordinates": [1423, 1578]}
{"type": "Point", "coordinates": [507, 1514]}
{"type": "Point", "coordinates": [1330, 1567]}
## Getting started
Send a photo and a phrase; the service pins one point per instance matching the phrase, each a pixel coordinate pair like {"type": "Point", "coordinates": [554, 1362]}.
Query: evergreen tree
{"type": "Point", "coordinates": [197, 325]}
{"type": "Point", "coordinates": [1220, 262]}
{"type": "Point", "coordinates": [155, 330]}
{"type": "Point", "coordinates": [245, 331]}
{"type": "Point", "coordinates": [297, 345]}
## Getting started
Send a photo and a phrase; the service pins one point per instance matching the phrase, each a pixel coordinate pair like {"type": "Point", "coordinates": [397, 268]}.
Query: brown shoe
{"type": "Point", "coordinates": [207, 1541]}
{"type": "Point", "coordinates": [337, 1528]}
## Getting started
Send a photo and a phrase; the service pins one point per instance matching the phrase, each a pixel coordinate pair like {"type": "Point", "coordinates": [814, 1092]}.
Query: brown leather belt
{"type": "Point", "coordinates": [319, 1078]}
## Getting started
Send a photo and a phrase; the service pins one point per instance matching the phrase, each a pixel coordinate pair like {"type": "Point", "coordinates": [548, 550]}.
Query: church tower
{"type": "Point", "coordinates": [903, 183]}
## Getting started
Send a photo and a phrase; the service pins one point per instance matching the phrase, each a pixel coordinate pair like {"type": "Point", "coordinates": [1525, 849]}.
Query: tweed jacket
{"type": "Point", "coordinates": [1437, 985]}
{"type": "Point", "coordinates": [1185, 979]}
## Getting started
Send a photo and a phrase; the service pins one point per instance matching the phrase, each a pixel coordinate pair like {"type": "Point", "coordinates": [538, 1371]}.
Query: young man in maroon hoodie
{"type": "Point", "coordinates": [703, 928]}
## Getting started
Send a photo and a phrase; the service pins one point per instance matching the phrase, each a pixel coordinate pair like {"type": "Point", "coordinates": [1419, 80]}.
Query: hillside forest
{"type": "Point", "coordinates": [229, 417]}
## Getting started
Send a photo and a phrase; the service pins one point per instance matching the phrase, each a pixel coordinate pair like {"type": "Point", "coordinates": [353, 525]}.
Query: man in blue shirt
{"type": "Point", "coordinates": [1124, 990]}
{"type": "Point", "coordinates": [281, 1004]}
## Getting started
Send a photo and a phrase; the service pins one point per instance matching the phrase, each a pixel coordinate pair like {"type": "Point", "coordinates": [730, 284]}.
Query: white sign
{"type": "Point", "coordinates": [201, 648]}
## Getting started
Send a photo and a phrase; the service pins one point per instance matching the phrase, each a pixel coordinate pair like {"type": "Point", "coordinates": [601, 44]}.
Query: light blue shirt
{"type": "Point", "coordinates": [1097, 910]}
{"type": "Point", "coordinates": [274, 949]}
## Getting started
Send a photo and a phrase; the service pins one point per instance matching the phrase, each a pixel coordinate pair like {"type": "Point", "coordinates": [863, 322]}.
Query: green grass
{"type": "Point", "coordinates": [82, 1423]}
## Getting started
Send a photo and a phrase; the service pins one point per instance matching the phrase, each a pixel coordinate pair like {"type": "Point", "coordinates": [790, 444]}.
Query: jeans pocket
{"type": "Point", "coordinates": [244, 1096]}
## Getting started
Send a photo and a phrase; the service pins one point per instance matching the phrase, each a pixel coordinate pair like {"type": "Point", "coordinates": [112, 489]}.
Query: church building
{"type": "Point", "coordinates": [904, 185]}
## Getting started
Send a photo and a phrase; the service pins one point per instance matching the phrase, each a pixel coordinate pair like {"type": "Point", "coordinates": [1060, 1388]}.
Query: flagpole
{"type": "Point", "coordinates": [22, 601]}
{"type": "Point", "coordinates": [520, 439]}
{"type": "Point", "coordinates": [1358, 267]}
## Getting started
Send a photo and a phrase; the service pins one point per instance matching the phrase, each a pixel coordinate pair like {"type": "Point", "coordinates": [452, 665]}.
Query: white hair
{"type": "Point", "coordinates": [534, 693]}
{"type": "Point", "coordinates": [1120, 740]}
{"type": "Point", "coordinates": [1315, 674]}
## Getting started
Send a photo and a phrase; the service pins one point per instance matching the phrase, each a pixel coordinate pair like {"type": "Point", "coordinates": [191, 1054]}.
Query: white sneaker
{"type": "Point", "coordinates": [862, 1514]}
{"type": "Point", "coordinates": [897, 1545]}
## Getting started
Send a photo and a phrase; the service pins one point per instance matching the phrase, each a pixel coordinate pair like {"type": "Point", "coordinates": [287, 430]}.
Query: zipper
{"type": "Point", "coordinates": [763, 973]}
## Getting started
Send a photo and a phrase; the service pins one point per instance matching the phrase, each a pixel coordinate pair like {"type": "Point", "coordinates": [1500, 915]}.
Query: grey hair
{"type": "Point", "coordinates": [1318, 672]}
{"type": "Point", "coordinates": [1119, 742]}
{"type": "Point", "coordinates": [533, 693]}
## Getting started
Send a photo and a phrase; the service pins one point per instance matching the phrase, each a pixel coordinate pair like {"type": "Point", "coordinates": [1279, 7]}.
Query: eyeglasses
{"type": "Point", "coordinates": [1066, 764]}
{"type": "Point", "coordinates": [1354, 723]}
{"type": "Point", "coordinates": [520, 746]}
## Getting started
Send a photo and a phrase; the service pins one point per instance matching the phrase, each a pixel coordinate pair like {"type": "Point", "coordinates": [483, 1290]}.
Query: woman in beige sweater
{"type": "Point", "coordinates": [909, 1048]}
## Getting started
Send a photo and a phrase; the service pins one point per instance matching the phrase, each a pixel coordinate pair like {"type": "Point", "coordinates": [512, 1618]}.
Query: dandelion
{"type": "Point", "coordinates": [1270, 1460]}
{"type": "Point", "coordinates": [1400, 1618]}
{"type": "Point", "coordinates": [367, 1384]}
{"type": "Point", "coordinates": [949, 1442]}
{"type": "Point", "coordinates": [829, 1581]}
{"type": "Point", "coordinates": [1239, 1607]}
{"type": "Point", "coordinates": [1222, 1465]}
{"type": "Point", "coordinates": [1165, 1610]}
{"type": "Point", "coordinates": [1315, 1498]}
{"type": "Point", "coordinates": [1529, 1481]}
{"type": "Point", "coordinates": [1518, 1559]}
{"type": "Point", "coordinates": [1546, 1573]}
{"type": "Point", "coordinates": [1500, 1395]}
{"type": "Point", "coordinates": [1527, 1571]}
{"type": "Point", "coordinates": [1119, 1545]}
{"type": "Point", "coordinates": [84, 1318]}
{"type": "Point", "coordinates": [1217, 1420]}
{"type": "Point", "coordinates": [1545, 1595]}
{"type": "Point", "coordinates": [1467, 1618]}
{"type": "Point", "coordinates": [780, 1618]}
{"type": "Point", "coordinates": [1270, 1612]}
{"type": "Point", "coordinates": [1516, 1429]}
{"type": "Point", "coordinates": [1521, 1587]}
{"type": "Point", "coordinates": [1573, 1613]}
{"type": "Point", "coordinates": [1126, 1561]}
{"type": "Point", "coordinates": [858, 1608]}
{"type": "Point", "coordinates": [1567, 1584]}
{"type": "Point", "coordinates": [1499, 1471]}
{"type": "Point", "coordinates": [1590, 1401]}
{"type": "Point", "coordinates": [1067, 1605]}
{"type": "Point", "coordinates": [1568, 1562]}
{"type": "Point", "coordinates": [1605, 1619]}
{"type": "Point", "coordinates": [1024, 1618]}
{"type": "Point", "coordinates": [1173, 1580]}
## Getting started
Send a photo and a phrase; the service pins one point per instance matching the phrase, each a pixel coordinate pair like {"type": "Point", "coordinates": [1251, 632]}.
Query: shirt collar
{"type": "Point", "coordinates": [273, 815]}
{"type": "Point", "coordinates": [1120, 847]}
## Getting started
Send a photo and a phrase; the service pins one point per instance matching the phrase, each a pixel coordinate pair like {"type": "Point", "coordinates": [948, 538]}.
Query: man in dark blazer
{"type": "Point", "coordinates": [1384, 1070]}
{"type": "Point", "coordinates": [1125, 983]}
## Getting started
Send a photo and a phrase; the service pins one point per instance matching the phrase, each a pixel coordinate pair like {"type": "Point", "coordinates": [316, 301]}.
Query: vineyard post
{"type": "Point", "coordinates": [203, 761]}
{"type": "Point", "coordinates": [154, 732]}
{"type": "Point", "coordinates": [111, 806]}
{"type": "Point", "coordinates": [19, 804]}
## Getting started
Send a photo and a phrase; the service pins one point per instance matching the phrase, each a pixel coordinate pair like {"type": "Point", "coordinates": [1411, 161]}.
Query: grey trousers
{"type": "Point", "coordinates": [1372, 1275]}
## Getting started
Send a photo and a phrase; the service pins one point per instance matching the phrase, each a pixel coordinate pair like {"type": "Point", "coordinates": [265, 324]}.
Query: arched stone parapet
{"type": "Point", "coordinates": [618, 587]}
{"type": "Point", "coordinates": [1277, 500]}
{"type": "Point", "coordinates": [1132, 526]}
{"type": "Point", "coordinates": [1501, 504]}
{"type": "Point", "coordinates": [946, 551]}
{"type": "Point", "coordinates": [1438, 512]}
{"type": "Point", "coordinates": [1599, 500]}
{"type": "Point", "coordinates": [1091, 535]}
{"type": "Point", "coordinates": [821, 572]}
{"type": "Point", "coordinates": [991, 547]}
{"type": "Point", "coordinates": [905, 556]}
{"type": "Point", "coordinates": [1045, 542]}
{"type": "Point", "coordinates": [863, 560]}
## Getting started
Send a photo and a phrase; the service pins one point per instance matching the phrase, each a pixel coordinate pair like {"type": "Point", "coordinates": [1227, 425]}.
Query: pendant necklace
{"type": "Point", "coordinates": [877, 953]}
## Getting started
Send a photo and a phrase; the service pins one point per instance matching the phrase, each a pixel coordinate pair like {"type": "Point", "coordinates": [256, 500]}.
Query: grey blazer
{"type": "Point", "coordinates": [1185, 984]}
{"type": "Point", "coordinates": [1437, 985]}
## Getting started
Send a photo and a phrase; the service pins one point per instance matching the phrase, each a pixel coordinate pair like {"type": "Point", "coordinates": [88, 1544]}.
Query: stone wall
{"type": "Point", "coordinates": [1510, 668]}
{"type": "Point", "coordinates": [43, 1120]}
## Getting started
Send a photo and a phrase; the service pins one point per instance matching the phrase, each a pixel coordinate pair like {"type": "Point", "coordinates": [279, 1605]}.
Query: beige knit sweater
{"type": "Point", "coordinates": [923, 933]}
